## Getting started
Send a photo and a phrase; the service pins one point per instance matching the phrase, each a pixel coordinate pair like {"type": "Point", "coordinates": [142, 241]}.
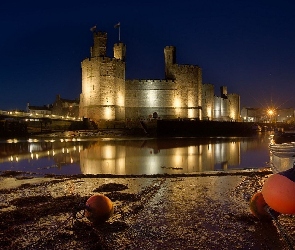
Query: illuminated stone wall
{"type": "Point", "coordinates": [103, 82]}
{"type": "Point", "coordinates": [165, 97]}
{"type": "Point", "coordinates": [188, 79]}
{"type": "Point", "coordinates": [208, 101]}
{"type": "Point", "coordinates": [234, 106]}
{"type": "Point", "coordinates": [107, 95]}
{"type": "Point", "coordinates": [220, 108]}
{"type": "Point", "coordinates": [220, 112]}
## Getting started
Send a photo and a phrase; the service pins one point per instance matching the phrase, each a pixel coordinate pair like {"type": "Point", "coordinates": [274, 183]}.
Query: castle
{"type": "Point", "coordinates": [107, 95]}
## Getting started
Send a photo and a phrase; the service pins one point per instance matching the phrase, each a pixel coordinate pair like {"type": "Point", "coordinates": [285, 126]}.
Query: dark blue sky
{"type": "Point", "coordinates": [248, 46]}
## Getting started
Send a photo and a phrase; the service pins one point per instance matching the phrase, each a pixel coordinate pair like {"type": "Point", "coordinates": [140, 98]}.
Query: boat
{"type": "Point", "coordinates": [283, 147]}
{"type": "Point", "coordinates": [284, 137]}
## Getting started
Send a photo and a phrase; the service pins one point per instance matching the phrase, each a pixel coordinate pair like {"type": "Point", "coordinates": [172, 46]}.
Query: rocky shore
{"type": "Point", "coordinates": [200, 211]}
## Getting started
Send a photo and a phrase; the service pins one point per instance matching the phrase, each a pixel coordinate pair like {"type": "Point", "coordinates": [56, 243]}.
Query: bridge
{"type": "Point", "coordinates": [36, 116]}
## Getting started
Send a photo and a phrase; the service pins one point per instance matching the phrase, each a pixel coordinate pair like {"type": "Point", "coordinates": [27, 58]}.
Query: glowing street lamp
{"type": "Point", "coordinates": [270, 113]}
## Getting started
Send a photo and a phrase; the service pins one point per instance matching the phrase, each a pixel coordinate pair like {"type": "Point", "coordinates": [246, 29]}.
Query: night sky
{"type": "Point", "coordinates": [248, 46]}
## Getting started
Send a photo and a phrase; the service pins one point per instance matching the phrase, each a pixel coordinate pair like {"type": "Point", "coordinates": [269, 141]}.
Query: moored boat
{"type": "Point", "coordinates": [284, 137]}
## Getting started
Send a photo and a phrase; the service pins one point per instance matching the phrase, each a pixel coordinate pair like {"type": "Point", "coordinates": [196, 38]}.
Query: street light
{"type": "Point", "coordinates": [270, 113]}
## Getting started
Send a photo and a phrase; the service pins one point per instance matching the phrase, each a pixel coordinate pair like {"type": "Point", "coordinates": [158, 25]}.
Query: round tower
{"type": "Point", "coordinates": [100, 44]}
{"type": "Point", "coordinates": [120, 51]}
{"type": "Point", "coordinates": [170, 59]}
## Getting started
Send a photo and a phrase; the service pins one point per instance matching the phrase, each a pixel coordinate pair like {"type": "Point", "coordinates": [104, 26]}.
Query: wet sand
{"type": "Point", "coordinates": [200, 211]}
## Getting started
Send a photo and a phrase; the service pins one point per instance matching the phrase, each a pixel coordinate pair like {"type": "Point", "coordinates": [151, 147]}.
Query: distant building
{"type": "Point", "coordinates": [252, 114]}
{"type": "Point", "coordinates": [285, 115]}
{"type": "Point", "coordinates": [267, 115]}
{"type": "Point", "coordinates": [107, 95]}
{"type": "Point", "coordinates": [65, 107]}
{"type": "Point", "coordinates": [39, 110]}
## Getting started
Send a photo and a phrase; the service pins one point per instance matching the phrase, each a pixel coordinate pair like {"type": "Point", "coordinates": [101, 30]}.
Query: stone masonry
{"type": "Point", "coordinates": [108, 96]}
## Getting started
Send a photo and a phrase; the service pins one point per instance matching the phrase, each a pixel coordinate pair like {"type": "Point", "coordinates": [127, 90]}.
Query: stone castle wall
{"type": "Point", "coordinates": [220, 111]}
{"type": "Point", "coordinates": [188, 79]}
{"type": "Point", "coordinates": [145, 97]}
{"type": "Point", "coordinates": [208, 101]}
{"type": "Point", "coordinates": [107, 95]}
{"type": "Point", "coordinates": [234, 106]}
{"type": "Point", "coordinates": [103, 88]}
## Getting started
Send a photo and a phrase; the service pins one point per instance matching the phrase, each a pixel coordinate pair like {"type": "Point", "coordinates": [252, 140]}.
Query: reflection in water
{"type": "Point", "coordinates": [152, 156]}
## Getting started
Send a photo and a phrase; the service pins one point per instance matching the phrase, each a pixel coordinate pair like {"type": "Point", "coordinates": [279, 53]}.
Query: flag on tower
{"type": "Point", "coordinates": [117, 25]}
{"type": "Point", "coordinates": [93, 28]}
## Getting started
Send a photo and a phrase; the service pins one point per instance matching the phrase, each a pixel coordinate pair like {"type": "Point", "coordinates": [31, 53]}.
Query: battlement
{"type": "Point", "coordinates": [103, 59]}
{"type": "Point", "coordinates": [169, 47]}
{"type": "Point", "coordinates": [146, 81]}
{"type": "Point", "coordinates": [119, 44]}
{"type": "Point", "coordinates": [100, 33]}
{"type": "Point", "coordinates": [188, 66]}
{"type": "Point", "coordinates": [151, 81]}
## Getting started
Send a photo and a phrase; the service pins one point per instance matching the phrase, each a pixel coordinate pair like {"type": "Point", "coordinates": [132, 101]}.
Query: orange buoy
{"type": "Point", "coordinates": [279, 192]}
{"type": "Point", "coordinates": [258, 207]}
{"type": "Point", "coordinates": [99, 208]}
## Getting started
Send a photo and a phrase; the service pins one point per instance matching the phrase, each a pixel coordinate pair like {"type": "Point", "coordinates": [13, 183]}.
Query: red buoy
{"type": "Point", "coordinates": [99, 208]}
{"type": "Point", "coordinates": [279, 192]}
{"type": "Point", "coordinates": [258, 207]}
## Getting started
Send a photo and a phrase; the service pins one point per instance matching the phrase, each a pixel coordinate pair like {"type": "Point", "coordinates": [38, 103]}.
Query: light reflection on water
{"type": "Point", "coordinates": [133, 156]}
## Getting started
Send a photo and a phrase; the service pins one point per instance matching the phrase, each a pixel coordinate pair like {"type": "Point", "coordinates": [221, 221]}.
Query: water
{"type": "Point", "coordinates": [133, 156]}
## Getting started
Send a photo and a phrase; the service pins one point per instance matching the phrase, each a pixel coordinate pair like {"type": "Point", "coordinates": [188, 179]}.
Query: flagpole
{"type": "Point", "coordinates": [118, 25]}
{"type": "Point", "coordinates": [119, 32]}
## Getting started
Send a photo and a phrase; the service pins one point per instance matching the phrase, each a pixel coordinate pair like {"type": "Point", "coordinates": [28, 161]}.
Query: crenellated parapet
{"type": "Point", "coordinates": [103, 59]}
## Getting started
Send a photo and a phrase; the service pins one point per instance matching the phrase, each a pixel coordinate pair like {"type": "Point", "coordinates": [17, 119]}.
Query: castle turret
{"type": "Point", "coordinates": [223, 92]}
{"type": "Point", "coordinates": [99, 44]}
{"type": "Point", "coordinates": [120, 51]}
{"type": "Point", "coordinates": [170, 59]}
{"type": "Point", "coordinates": [103, 82]}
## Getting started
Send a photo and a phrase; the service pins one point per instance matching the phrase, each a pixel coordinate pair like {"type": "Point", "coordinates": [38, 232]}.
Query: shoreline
{"type": "Point", "coordinates": [206, 211]}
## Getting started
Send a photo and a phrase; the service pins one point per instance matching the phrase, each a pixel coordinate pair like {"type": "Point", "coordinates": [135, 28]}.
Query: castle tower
{"type": "Point", "coordinates": [103, 82]}
{"type": "Point", "coordinates": [170, 59]}
{"type": "Point", "coordinates": [234, 106]}
{"type": "Point", "coordinates": [207, 101]}
{"type": "Point", "coordinates": [120, 51]}
{"type": "Point", "coordinates": [223, 91]}
{"type": "Point", "coordinates": [100, 44]}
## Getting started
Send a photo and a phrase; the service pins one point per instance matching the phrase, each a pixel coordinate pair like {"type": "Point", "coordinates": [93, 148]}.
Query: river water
{"type": "Point", "coordinates": [122, 156]}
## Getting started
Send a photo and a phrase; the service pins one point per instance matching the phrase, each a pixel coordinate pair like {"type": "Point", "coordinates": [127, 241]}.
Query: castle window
{"type": "Point", "coordinates": [93, 87]}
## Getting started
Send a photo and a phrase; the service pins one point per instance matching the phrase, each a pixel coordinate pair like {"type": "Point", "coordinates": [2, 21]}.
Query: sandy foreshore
{"type": "Point", "coordinates": [201, 211]}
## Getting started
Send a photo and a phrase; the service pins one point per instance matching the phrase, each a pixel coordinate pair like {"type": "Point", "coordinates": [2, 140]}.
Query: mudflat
{"type": "Point", "coordinates": [196, 211]}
